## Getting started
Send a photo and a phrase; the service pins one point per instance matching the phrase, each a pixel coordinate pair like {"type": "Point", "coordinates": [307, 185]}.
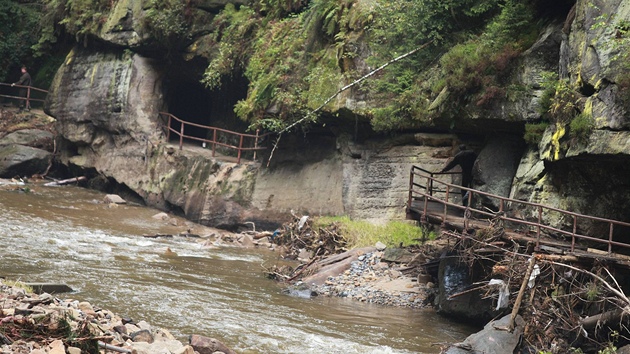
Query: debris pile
{"type": "Point", "coordinates": [566, 302]}
{"type": "Point", "coordinates": [302, 240]}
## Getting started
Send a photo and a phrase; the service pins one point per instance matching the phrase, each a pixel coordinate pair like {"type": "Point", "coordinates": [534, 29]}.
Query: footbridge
{"type": "Point", "coordinates": [433, 199]}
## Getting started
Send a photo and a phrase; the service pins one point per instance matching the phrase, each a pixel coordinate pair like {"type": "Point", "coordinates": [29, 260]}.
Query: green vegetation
{"type": "Point", "coordinates": [295, 57]}
{"type": "Point", "coordinates": [534, 132]}
{"type": "Point", "coordinates": [559, 103]}
{"type": "Point", "coordinates": [581, 126]}
{"type": "Point", "coordinates": [168, 21]}
{"type": "Point", "coordinates": [18, 284]}
{"type": "Point", "coordinates": [78, 17]}
{"type": "Point", "coordinates": [18, 32]}
{"type": "Point", "coordinates": [479, 41]}
{"type": "Point", "coordinates": [297, 54]}
{"type": "Point", "coordinates": [363, 233]}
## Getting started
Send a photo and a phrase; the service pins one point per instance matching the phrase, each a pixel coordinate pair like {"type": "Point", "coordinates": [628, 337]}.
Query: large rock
{"type": "Point", "coordinates": [19, 160]}
{"type": "Point", "coordinates": [496, 166]}
{"type": "Point", "coordinates": [41, 139]}
{"type": "Point", "coordinates": [205, 345]}
{"type": "Point", "coordinates": [597, 63]}
{"type": "Point", "coordinates": [494, 338]}
{"type": "Point", "coordinates": [454, 278]}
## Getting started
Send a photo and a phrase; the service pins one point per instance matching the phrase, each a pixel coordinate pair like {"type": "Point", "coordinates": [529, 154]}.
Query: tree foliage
{"type": "Point", "coordinates": [18, 31]}
{"type": "Point", "coordinates": [294, 55]}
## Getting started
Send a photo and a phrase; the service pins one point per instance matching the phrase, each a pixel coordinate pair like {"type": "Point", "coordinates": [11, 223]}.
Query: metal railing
{"type": "Point", "coordinates": [425, 187]}
{"type": "Point", "coordinates": [247, 142]}
{"type": "Point", "coordinates": [28, 96]}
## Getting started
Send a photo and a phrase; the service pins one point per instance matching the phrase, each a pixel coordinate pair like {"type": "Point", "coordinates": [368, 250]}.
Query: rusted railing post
{"type": "Point", "coordinates": [256, 144]}
{"type": "Point", "coordinates": [448, 189]}
{"type": "Point", "coordinates": [28, 98]}
{"type": "Point", "coordinates": [574, 231]}
{"type": "Point", "coordinates": [240, 147]}
{"type": "Point", "coordinates": [181, 135]}
{"type": "Point", "coordinates": [410, 195]}
{"type": "Point", "coordinates": [470, 193]}
{"type": "Point", "coordinates": [168, 128]}
{"type": "Point", "coordinates": [426, 197]}
{"type": "Point", "coordinates": [214, 140]}
{"type": "Point", "coordinates": [538, 227]}
{"type": "Point", "coordinates": [610, 238]}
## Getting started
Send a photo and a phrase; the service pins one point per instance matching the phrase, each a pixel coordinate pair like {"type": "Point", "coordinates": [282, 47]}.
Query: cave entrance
{"type": "Point", "coordinates": [190, 101]}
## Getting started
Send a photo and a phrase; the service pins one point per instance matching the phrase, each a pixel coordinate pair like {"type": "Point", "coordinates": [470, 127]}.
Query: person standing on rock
{"type": "Point", "coordinates": [25, 80]}
{"type": "Point", "coordinates": [465, 159]}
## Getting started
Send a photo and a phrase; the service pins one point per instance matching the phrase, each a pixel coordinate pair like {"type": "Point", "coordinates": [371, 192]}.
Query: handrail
{"type": "Point", "coordinates": [242, 136]}
{"type": "Point", "coordinates": [28, 98]}
{"type": "Point", "coordinates": [429, 193]}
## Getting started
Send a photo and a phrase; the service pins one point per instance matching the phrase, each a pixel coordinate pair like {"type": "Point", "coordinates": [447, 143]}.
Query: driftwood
{"type": "Point", "coordinates": [65, 181]}
{"type": "Point", "coordinates": [157, 235]}
{"type": "Point", "coordinates": [557, 257]}
{"type": "Point", "coordinates": [114, 348]}
{"type": "Point", "coordinates": [519, 298]}
{"type": "Point", "coordinates": [602, 318]}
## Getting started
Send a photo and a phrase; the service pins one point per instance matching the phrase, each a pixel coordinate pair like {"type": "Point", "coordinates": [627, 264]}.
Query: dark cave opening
{"type": "Point", "coordinates": [190, 101]}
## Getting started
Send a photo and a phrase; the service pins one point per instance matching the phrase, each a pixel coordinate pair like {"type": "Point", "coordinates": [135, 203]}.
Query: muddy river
{"type": "Point", "coordinates": [67, 235]}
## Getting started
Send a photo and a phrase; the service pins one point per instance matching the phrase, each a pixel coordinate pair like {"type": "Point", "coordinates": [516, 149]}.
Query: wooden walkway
{"type": "Point", "coordinates": [433, 200]}
{"type": "Point", "coordinates": [220, 137]}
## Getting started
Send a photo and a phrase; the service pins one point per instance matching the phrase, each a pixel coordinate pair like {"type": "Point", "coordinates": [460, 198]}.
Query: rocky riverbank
{"type": "Point", "coordinates": [38, 324]}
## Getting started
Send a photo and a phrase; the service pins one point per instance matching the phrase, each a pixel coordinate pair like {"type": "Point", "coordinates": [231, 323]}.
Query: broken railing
{"type": "Point", "coordinates": [247, 142]}
{"type": "Point", "coordinates": [426, 186]}
{"type": "Point", "coordinates": [30, 94]}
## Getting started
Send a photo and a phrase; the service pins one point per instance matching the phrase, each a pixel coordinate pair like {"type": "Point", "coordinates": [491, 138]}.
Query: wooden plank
{"type": "Point", "coordinates": [605, 253]}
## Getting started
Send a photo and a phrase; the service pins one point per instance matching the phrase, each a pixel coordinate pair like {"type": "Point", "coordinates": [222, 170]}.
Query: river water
{"type": "Point", "coordinates": [65, 235]}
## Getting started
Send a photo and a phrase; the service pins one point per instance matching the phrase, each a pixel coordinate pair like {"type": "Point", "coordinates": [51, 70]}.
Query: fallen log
{"type": "Point", "coordinates": [557, 257]}
{"type": "Point", "coordinates": [114, 348]}
{"type": "Point", "coordinates": [65, 181]}
{"type": "Point", "coordinates": [599, 320]}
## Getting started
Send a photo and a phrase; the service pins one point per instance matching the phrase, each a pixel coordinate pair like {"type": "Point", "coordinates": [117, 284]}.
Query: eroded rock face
{"type": "Point", "coordinates": [107, 103]}
{"type": "Point", "coordinates": [596, 61]}
{"type": "Point", "coordinates": [586, 174]}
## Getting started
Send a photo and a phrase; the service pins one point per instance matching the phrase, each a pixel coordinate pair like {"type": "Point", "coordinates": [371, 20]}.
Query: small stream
{"type": "Point", "coordinates": [66, 235]}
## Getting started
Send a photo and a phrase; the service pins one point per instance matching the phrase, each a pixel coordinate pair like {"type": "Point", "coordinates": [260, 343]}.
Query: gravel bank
{"type": "Point", "coordinates": [371, 280]}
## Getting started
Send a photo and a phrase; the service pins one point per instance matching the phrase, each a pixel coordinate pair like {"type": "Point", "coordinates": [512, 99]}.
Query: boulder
{"type": "Point", "coordinates": [496, 166]}
{"type": "Point", "coordinates": [142, 336]}
{"type": "Point", "coordinates": [397, 255]}
{"type": "Point", "coordinates": [205, 345]}
{"type": "Point", "coordinates": [19, 160]}
{"type": "Point", "coordinates": [494, 338]}
{"type": "Point", "coordinates": [455, 278]}
{"type": "Point", "coordinates": [37, 138]}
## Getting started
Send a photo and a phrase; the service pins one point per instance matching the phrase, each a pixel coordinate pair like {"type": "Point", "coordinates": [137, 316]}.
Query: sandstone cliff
{"type": "Point", "coordinates": [108, 93]}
